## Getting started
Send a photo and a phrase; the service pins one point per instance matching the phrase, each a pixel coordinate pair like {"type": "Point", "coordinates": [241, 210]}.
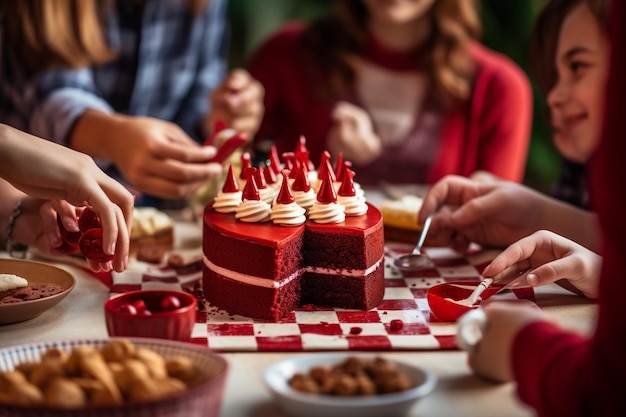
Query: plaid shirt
{"type": "Point", "coordinates": [572, 185]}
{"type": "Point", "coordinates": [168, 62]}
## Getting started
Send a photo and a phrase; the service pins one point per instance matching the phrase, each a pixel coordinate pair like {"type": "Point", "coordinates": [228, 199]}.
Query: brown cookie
{"type": "Point", "coordinates": [33, 292]}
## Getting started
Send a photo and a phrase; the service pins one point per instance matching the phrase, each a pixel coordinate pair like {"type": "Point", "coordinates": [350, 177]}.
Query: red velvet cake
{"type": "Point", "coordinates": [265, 270]}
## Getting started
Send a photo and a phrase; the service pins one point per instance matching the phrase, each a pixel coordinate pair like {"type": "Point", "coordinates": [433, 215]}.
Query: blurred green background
{"type": "Point", "coordinates": [507, 25]}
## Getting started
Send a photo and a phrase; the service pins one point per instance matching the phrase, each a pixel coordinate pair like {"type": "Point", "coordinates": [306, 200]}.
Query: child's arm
{"type": "Point", "coordinates": [546, 257]}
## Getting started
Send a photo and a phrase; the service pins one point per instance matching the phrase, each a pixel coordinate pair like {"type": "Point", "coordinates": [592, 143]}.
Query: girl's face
{"type": "Point", "coordinates": [397, 12]}
{"type": "Point", "coordinates": [577, 99]}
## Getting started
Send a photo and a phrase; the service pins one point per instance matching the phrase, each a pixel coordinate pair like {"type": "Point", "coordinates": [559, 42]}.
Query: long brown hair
{"type": "Point", "coordinates": [43, 34]}
{"type": "Point", "coordinates": [545, 36]}
{"type": "Point", "coordinates": [445, 56]}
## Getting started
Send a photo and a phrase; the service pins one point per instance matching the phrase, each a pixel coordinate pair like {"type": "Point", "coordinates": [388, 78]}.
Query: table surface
{"type": "Point", "coordinates": [458, 393]}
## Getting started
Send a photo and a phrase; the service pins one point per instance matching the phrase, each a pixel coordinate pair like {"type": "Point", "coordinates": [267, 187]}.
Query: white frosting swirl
{"type": "Point", "coordinates": [355, 205]}
{"type": "Point", "coordinates": [267, 194]}
{"type": "Point", "coordinates": [253, 211]}
{"type": "Point", "coordinates": [227, 202]}
{"type": "Point", "coordinates": [359, 190]}
{"type": "Point", "coordinates": [327, 213]}
{"type": "Point", "coordinates": [305, 199]}
{"type": "Point", "coordinates": [288, 214]}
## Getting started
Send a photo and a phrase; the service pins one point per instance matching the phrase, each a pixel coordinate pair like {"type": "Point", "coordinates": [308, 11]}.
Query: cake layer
{"type": "Point", "coordinates": [357, 243]}
{"type": "Point", "coordinates": [250, 248]}
{"type": "Point", "coordinates": [361, 290]}
{"type": "Point", "coordinates": [246, 299]}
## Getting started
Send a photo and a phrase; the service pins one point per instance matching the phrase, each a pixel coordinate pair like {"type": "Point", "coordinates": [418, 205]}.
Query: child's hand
{"type": "Point", "coordinates": [492, 356]}
{"type": "Point", "coordinates": [238, 102]}
{"type": "Point", "coordinates": [497, 213]}
{"type": "Point", "coordinates": [546, 257]}
{"type": "Point", "coordinates": [353, 134]}
{"type": "Point", "coordinates": [154, 156]}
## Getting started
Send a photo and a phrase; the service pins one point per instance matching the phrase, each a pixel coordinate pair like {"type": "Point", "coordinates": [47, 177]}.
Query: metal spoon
{"type": "Point", "coordinates": [416, 259]}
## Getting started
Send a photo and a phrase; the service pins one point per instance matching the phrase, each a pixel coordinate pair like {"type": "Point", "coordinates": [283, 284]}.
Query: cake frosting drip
{"type": "Point", "coordinates": [227, 202]}
{"type": "Point", "coordinates": [354, 205]}
{"type": "Point", "coordinates": [253, 211]}
{"type": "Point", "coordinates": [327, 213]}
{"type": "Point", "coordinates": [288, 214]}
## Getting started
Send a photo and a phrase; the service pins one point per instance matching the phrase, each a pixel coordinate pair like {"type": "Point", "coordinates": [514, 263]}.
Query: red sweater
{"type": "Point", "coordinates": [562, 374]}
{"type": "Point", "coordinates": [489, 132]}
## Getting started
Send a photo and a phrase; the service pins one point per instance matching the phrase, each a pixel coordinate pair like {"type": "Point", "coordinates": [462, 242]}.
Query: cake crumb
{"type": "Point", "coordinates": [396, 325]}
{"type": "Point", "coordinates": [355, 330]}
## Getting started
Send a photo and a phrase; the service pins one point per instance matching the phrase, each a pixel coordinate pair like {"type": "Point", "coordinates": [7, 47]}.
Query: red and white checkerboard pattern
{"type": "Point", "coordinates": [317, 329]}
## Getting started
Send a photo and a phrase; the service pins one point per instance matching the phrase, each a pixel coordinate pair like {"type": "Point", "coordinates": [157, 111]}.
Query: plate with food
{"type": "Point", "coordinates": [343, 384]}
{"type": "Point", "coordinates": [28, 288]}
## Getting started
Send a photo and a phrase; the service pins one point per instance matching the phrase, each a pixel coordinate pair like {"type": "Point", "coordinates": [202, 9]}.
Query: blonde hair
{"type": "Point", "coordinates": [43, 34]}
{"type": "Point", "coordinates": [445, 57]}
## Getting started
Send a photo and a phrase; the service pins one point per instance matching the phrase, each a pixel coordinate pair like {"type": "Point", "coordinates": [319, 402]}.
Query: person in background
{"type": "Point", "coordinates": [560, 373]}
{"type": "Point", "coordinates": [500, 214]}
{"type": "Point", "coordinates": [41, 179]}
{"type": "Point", "coordinates": [403, 89]}
{"type": "Point", "coordinates": [573, 83]}
{"type": "Point", "coordinates": [138, 85]}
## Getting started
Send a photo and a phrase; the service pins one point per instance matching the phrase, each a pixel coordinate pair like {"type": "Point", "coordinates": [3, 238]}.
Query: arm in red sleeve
{"type": "Point", "coordinates": [501, 116]}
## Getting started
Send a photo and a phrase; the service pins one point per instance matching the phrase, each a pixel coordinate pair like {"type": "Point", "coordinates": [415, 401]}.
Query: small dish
{"type": "Point", "coordinates": [35, 273]}
{"type": "Point", "coordinates": [175, 323]}
{"type": "Point", "coordinates": [296, 403]}
{"type": "Point", "coordinates": [441, 298]}
{"type": "Point", "coordinates": [204, 398]}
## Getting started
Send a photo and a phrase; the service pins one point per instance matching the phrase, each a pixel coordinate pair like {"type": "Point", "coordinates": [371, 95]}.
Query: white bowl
{"type": "Point", "coordinates": [301, 404]}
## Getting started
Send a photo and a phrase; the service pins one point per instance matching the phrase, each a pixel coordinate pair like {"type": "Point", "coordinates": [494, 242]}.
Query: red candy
{"type": "Point", "coordinates": [89, 220]}
{"type": "Point", "coordinates": [91, 246]}
{"type": "Point", "coordinates": [70, 239]}
{"type": "Point", "coordinates": [139, 307]}
{"type": "Point", "coordinates": [88, 239]}
{"type": "Point", "coordinates": [127, 308]}
{"type": "Point", "coordinates": [169, 302]}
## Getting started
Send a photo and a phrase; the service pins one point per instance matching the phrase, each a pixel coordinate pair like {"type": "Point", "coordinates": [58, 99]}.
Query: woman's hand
{"type": "Point", "coordinates": [353, 134]}
{"type": "Point", "coordinates": [238, 102]}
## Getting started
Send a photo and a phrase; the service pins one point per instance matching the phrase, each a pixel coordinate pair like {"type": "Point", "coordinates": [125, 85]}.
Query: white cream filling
{"type": "Point", "coordinates": [356, 273]}
{"type": "Point", "coordinates": [248, 279]}
{"type": "Point", "coordinates": [270, 283]}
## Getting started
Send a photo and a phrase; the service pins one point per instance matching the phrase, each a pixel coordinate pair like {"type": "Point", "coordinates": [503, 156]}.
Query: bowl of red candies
{"type": "Point", "coordinates": [162, 314]}
{"type": "Point", "coordinates": [88, 240]}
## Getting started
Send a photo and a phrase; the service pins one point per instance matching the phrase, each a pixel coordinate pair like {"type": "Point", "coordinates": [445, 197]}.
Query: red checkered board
{"type": "Point", "coordinates": [319, 329]}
